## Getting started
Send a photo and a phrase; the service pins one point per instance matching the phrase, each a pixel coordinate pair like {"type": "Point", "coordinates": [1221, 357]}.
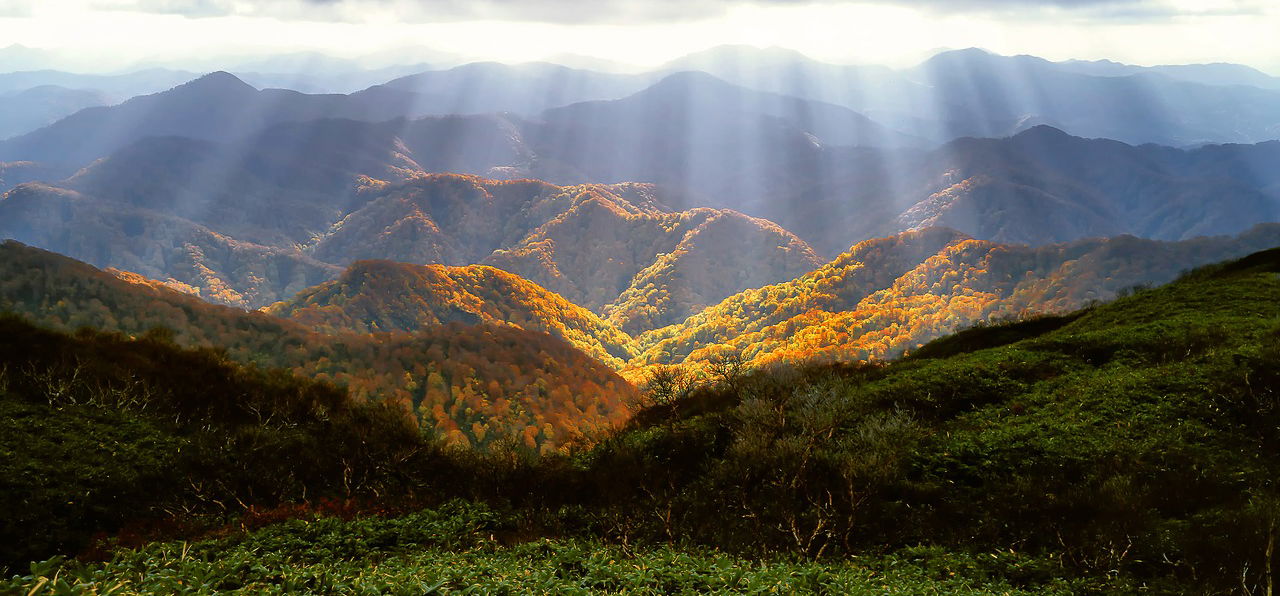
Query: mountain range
{"type": "Point", "coordinates": [614, 249]}
{"type": "Point", "coordinates": [1040, 185]}
{"type": "Point", "coordinates": [973, 92]}
{"type": "Point", "coordinates": [955, 93]}
{"type": "Point", "coordinates": [485, 221]}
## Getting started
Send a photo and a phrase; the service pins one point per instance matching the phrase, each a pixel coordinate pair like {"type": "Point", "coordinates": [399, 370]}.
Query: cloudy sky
{"type": "Point", "coordinates": [110, 33]}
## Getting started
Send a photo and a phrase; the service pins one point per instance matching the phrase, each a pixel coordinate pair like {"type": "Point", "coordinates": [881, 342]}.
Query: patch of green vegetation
{"type": "Point", "coordinates": [100, 431]}
{"type": "Point", "coordinates": [453, 550]}
{"type": "Point", "coordinates": [993, 335]}
{"type": "Point", "coordinates": [66, 472]}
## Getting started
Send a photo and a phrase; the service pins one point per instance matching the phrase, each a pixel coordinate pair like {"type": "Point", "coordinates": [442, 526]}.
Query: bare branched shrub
{"type": "Point", "coordinates": [58, 386]}
{"type": "Point", "coordinates": [667, 385]}
{"type": "Point", "coordinates": [727, 369]}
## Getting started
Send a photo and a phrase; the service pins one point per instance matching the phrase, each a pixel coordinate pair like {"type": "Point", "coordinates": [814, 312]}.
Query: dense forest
{"type": "Point", "coordinates": [887, 296]}
{"type": "Point", "coordinates": [470, 383]}
{"type": "Point", "coordinates": [374, 296]}
{"type": "Point", "coordinates": [1126, 447]}
{"type": "Point", "coordinates": [467, 348]}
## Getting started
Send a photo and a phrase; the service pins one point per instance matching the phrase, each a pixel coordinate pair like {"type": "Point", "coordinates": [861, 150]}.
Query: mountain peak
{"type": "Point", "coordinates": [974, 52]}
{"type": "Point", "coordinates": [217, 80]}
{"type": "Point", "coordinates": [687, 79]}
{"type": "Point", "coordinates": [1042, 132]}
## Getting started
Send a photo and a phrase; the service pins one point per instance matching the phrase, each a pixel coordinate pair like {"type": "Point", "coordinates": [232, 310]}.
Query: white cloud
{"type": "Point", "coordinates": [883, 31]}
{"type": "Point", "coordinates": [633, 11]}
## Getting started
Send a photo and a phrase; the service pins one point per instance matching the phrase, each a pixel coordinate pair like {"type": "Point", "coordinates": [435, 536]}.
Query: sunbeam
{"type": "Point", "coordinates": [674, 296]}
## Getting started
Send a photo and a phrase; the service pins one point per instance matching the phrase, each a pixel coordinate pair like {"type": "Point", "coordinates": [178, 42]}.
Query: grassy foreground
{"type": "Point", "coordinates": [457, 549]}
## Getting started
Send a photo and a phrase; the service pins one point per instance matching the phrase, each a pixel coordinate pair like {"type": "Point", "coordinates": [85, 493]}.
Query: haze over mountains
{"type": "Point", "coordinates": [977, 93]}
{"type": "Point", "coordinates": [653, 218]}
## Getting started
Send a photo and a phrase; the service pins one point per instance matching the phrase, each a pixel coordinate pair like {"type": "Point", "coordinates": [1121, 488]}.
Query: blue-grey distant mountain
{"type": "Point", "coordinates": [17, 57]}
{"type": "Point", "coordinates": [983, 94]}
{"type": "Point", "coordinates": [118, 86]}
{"type": "Point", "coordinates": [976, 93]}
{"type": "Point", "coordinates": [215, 107]}
{"type": "Point", "coordinates": [526, 89]}
{"type": "Point", "coordinates": [1037, 187]}
{"type": "Point", "coordinates": [24, 111]}
{"type": "Point", "coordinates": [727, 145]}
{"type": "Point", "coordinates": [1218, 73]}
{"type": "Point", "coordinates": [728, 138]}
{"type": "Point", "coordinates": [865, 88]}
{"type": "Point", "coordinates": [222, 107]}
{"type": "Point", "coordinates": [32, 99]}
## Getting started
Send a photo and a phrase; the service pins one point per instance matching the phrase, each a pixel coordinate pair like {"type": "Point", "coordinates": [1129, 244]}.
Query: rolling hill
{"type": "Point", "coordinates": [1149, 422]}
{"type": "Point", "coordinates": [373, 296]}
{"type": "Point", "coordinates": [471, 384]}
{"type": "Point", "coordinates": [887, 296]}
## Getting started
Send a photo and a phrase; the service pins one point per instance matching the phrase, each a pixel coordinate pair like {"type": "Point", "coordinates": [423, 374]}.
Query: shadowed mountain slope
{"type": "Point", "coordinates": [1039, 186]}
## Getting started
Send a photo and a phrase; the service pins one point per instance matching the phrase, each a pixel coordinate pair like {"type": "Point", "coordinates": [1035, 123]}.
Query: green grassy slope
{"type": "Point", "coordinates": [1138, 436]}
{"type": "Point", "coordinates": [452, 550]}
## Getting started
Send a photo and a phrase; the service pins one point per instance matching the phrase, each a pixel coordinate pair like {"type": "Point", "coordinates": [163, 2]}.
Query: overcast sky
{"type": "Point", "coordinates": [109, 33]}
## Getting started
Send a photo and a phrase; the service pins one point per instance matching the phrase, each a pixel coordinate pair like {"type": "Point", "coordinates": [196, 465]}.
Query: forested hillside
{"type": "Point", "coordinates": [886, 296]}
{"type": "Point", "coordinates": [470, 383]}
{"type": "Point", "coordinates": [373, 296]}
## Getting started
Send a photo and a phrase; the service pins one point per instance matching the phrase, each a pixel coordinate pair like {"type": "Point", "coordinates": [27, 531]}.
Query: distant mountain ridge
{"type": "Point", "coordinates": [1039, 186]}
{"type": "Point", "coordinates": [712, 144]}
{"type": "Point", "coordinates": [596, 245]}
{"type": "Point", "coordinates": [973, 92]}
{"type": "Point", "coordinates": [256, 241]}
{"type": "Point", "coordinates": [526, 89]}
{"type": "Point", "coordinates": [29, 109]}
{"type": "Point", "coordinates": [214, 107]}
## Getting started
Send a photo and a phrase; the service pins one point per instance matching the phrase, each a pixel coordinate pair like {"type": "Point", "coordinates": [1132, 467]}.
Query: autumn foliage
{"type": "Point", "coordinates": [470, 383]}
